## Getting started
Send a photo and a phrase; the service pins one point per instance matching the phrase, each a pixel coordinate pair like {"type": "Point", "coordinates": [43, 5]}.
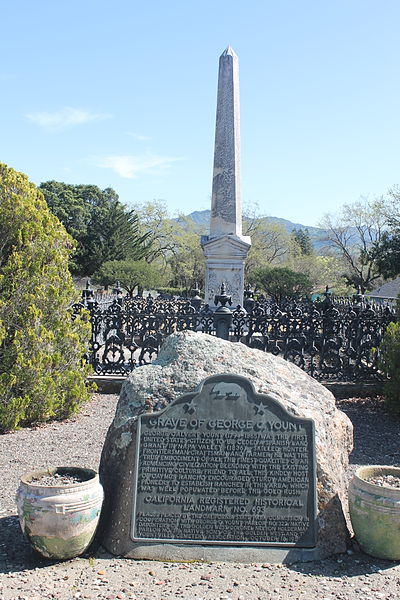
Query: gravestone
{"type": "Point", "coordinates": [179, 460]}
{"type": "Point", "coordinates": [225, 465]}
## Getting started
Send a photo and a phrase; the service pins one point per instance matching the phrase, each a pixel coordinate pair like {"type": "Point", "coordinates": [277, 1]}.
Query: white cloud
{"type": "Point", "coordinates": [63, 118]}
{"type": "Point", "coordinates": [129, 166]}
{"type": "Point", "coordinates": [138, 136]}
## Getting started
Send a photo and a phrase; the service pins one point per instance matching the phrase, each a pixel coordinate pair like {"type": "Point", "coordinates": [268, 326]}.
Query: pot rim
{"type": "Point", "coordinates": [362, 473]}
{"type": "Point", "coordinates": [91, 475]}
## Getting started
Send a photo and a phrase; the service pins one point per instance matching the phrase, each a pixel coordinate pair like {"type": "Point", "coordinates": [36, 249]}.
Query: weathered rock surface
{"type": "Point", "coordinates": [187, 358]}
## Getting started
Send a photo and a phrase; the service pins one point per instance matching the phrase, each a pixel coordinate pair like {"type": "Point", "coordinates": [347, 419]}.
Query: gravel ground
{"type": "Point", "coordinates": [78, 441]}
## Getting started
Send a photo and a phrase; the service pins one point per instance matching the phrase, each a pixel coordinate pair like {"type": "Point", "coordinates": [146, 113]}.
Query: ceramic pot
{"type": "Point", "coordinates": [375, 512]}
{"type": "Point", "coordinates": [60, 520]}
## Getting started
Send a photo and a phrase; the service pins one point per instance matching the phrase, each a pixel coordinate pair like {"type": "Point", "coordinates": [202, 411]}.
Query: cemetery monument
{"type": "Point", "coordinates": [218, 451]}
{"type": "Point", "coordinates": [222, 452]}
{"type": "Point", "coordinates": [225, 249]}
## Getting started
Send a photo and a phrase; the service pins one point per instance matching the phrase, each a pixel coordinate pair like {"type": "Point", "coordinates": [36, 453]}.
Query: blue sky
{"type": "Point", "coordinates": [123, 94]}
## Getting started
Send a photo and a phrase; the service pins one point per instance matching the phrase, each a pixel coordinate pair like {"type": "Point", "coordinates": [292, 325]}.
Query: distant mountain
{"type": "Point", "coordinates": [201, 217]}
{"type": "Point", "coordinates": [201, 220]}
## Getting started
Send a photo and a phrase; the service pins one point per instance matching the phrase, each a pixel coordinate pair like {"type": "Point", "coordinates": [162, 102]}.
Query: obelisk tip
{"type": "Point", "coordinates": [229, 51]}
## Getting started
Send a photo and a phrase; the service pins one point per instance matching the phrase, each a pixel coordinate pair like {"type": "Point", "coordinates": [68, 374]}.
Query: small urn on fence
{"type": "Point", "coordinates": [88, 295]}
{"type": "Point", "coordinates": [223, 314]}
{"type": "Point", "coordinates": [195, 299]}
{"type": "Point", "coordinates": [249, 301]}
{"type": "Point", "coordinates": [59, 509]}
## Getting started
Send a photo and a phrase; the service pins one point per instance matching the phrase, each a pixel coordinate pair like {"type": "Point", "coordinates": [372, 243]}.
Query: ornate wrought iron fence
{"type": "Point", "coordinates": [329, 340]}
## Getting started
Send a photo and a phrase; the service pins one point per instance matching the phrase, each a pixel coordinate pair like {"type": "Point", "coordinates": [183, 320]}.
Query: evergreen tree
{"type": "Point", "coordinates": [387, 251]}
{"type": "Point", "coordinates": [112, 234]}
{"type": "Point", "coordinates": [41, 348]}
{"type": "Point", "coordinates": [102, 226]}
{"type": "Point", "coordinates": [303, 242]}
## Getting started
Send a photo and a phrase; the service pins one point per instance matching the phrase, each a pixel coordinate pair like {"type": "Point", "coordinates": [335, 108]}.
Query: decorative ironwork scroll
{"type": "Point", "coordinates": [337, 339]}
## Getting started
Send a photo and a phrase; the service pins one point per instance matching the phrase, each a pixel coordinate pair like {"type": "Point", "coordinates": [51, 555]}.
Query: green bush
{"type": "Point", "coordinates": [172, 291]}
{"type": "Point", "coordinates": [390, 365]}
{"type": "Point", "coordinates": [130, 274]}
{"type": "Point", "coordinates": [281, 283]}
{"type": "Point", "coordinates": [41, 348]}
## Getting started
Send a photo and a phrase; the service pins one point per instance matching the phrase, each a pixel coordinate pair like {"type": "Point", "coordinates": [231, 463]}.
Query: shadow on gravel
{"type": "Point", "coordinates": [16, 553]}
{"type": "Point", "coordinates": [345, 566]}
{"type": "Point", "coordinates": [376, 431]}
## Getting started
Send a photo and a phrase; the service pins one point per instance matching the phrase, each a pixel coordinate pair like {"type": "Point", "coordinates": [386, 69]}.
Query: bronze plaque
{"type": "Point", "coordinates": [225, 465]}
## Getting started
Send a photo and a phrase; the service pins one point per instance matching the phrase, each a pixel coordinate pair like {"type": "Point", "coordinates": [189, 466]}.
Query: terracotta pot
{"type": "Point", "coordinates": [375, 512]}
{"type": "Point", "coordinates": [60, 521]}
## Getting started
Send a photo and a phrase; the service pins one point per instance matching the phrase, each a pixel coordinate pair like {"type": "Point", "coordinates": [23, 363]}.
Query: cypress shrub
{"type": "Point", "coordinates": [41, 348]}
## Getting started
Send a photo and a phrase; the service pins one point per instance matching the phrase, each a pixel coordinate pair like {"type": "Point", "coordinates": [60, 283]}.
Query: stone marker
{"type": "Point", "coordinates": [225, 249]}
{"type": "Point", "coordinates": [226, 202]}
{"type": "Point", "coordinates": [138, 521]}
{"type": "Point", "coordinates": [225, 465]}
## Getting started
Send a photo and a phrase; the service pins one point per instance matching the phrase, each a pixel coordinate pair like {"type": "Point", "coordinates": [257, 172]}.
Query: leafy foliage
{"type": "Point", "coordinates": [387, 249]}
{"type": "Point", "coordinates": [387, 253]}
{"type": "Point", "coordinates": [322, 271]}
{"type": "Point", "coordinates": [173, 243]}
{"type": "Point", "coordinates": [270, 242]}
{"type": "Point", "coordinates": [354, 234]}
{"type": "Point", "coordinates": [41, 376]}
{"type": "Point", "coordinates": [103, 227]}
{"type": "Point", "coordinates": [162, 231]}
{"type": "Point", "coordinates": [131, 274]}
{"type": "Point", "coordinates": [281, 282]}
{"type": "Point", "coordinates": [186, 262]}
{"type": "Point", "coordinates": [390, 364]}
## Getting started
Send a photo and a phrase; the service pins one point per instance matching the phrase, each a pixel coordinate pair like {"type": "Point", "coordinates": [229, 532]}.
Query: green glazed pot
{"type": "Point", "coordinates": [375, 512]}
{"type": "Point", "coordinates": [60, 521]}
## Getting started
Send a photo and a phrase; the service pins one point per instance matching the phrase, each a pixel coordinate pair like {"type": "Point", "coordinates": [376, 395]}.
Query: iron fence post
{"type": "Point", "coordinates": [223, 315]}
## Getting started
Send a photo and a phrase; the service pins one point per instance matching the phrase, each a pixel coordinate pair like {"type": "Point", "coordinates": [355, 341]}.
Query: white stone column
{"type": "Point", "coordinates": [225, 249]}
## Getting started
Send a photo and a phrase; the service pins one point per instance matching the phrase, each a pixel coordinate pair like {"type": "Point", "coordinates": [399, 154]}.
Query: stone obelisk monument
{"type": "Point", "coordinates": [225, 249]}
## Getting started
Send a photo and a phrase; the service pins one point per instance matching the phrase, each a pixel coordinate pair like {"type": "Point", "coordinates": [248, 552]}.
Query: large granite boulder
{"type": "Point", "coordinates": [186, 359]}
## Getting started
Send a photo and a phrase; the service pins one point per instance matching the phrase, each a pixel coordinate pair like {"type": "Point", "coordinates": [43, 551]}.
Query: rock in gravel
{"type": "Point", "coordinates": [185, 359]}
{"type": "Point", "coordinates": [56, 480]}
{"type": "Point", "coordinates": [385, 481]}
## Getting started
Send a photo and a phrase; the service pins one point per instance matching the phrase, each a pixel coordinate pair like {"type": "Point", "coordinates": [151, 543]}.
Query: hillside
{"type": "Point", "coordinates": [201, 220]}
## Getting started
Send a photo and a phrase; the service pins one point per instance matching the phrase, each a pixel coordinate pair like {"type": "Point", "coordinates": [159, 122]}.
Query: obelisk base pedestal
{"type": "Point", "coordinates": [225, 257]}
